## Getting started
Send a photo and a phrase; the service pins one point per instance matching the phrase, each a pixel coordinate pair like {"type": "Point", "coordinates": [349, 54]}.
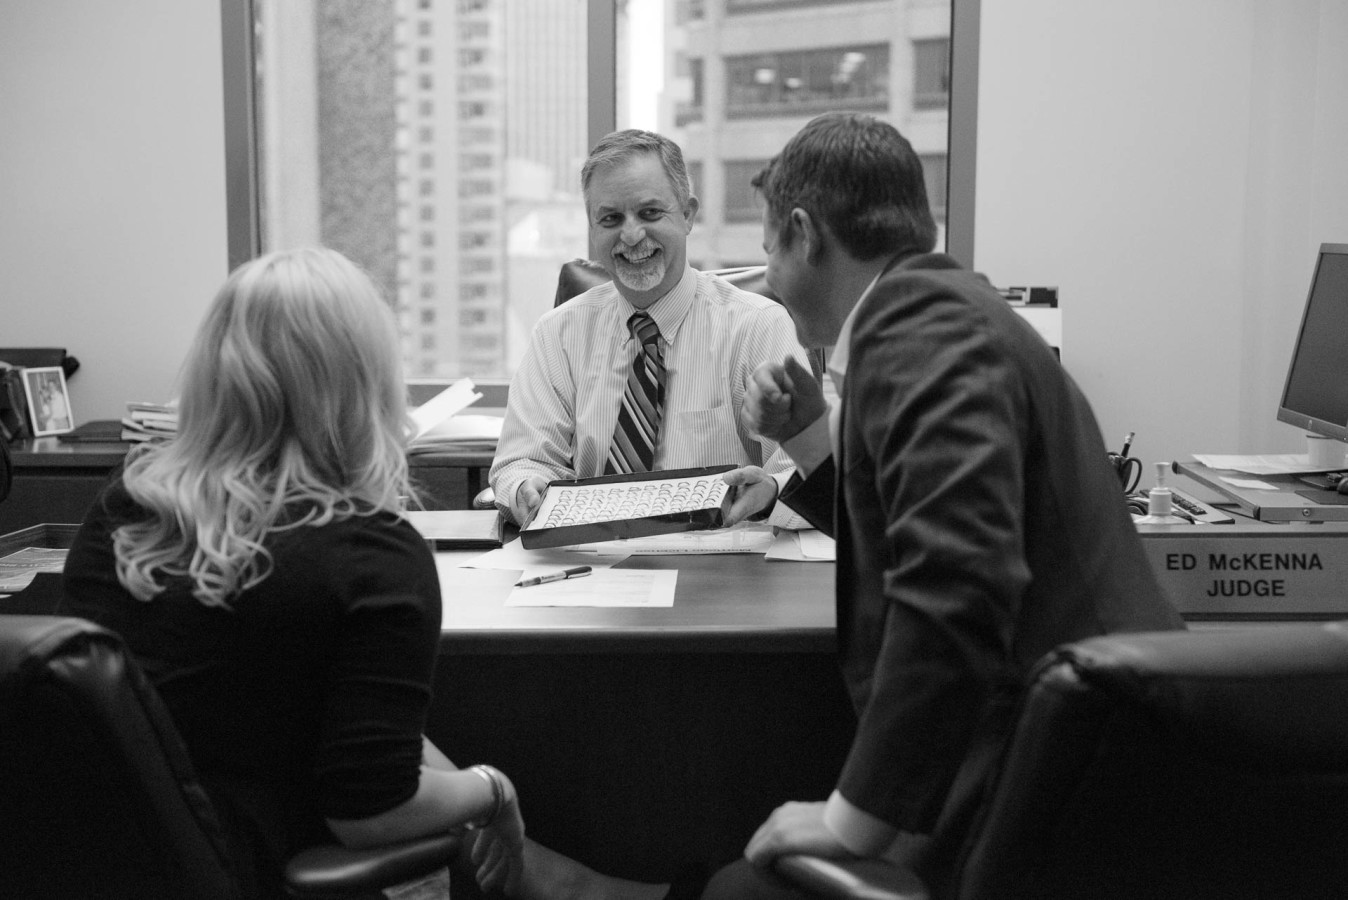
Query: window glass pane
{"type": "Point", "coordinates": [438, 143]}
{"type": "Point", "coordinates": [732, 80]}
{"type": "Point", "coordinates": [807, 81]}
{"type": "Point", "coordinates": [741, 200]}
{"type": "Point", "coordinates": [934, 173]}
{"type": "Point", "coordinates": [931, 74]}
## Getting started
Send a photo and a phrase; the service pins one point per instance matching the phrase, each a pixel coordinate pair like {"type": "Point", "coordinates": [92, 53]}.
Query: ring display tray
{"type": "Point", "coordinates": [620, 507]}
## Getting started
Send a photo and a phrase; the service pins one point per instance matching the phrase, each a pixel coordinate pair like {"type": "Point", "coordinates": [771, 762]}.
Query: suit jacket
{"type": "Point", "coordinates": [979, 525]}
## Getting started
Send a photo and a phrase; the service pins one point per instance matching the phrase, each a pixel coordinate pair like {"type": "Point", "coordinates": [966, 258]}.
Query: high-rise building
{"type": "Point", "coordinates": [491, 121]}
{"type": "Point", "coordinates": [745, 75]}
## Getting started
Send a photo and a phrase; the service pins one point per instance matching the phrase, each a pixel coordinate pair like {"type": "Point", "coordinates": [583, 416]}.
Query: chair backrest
{"type": "Point", "coordinates": [1176, 765]}
{"type": "Point", "coordinates": [579, 275]}
{"type": "Point", "coordinates": [6, 469]}
{"type": "Point", "coordinates": [97, 795]}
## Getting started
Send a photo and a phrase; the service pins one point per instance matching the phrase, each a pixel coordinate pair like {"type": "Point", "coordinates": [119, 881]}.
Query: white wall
{"type": "Point", "coordinates": [112, 193]}
{"type": "Point", "coordinates": [1171, 165]}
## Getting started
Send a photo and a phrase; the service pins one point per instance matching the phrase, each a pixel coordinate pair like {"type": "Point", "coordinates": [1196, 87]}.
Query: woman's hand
{"type": "Point", "coordinates": [498, 853]}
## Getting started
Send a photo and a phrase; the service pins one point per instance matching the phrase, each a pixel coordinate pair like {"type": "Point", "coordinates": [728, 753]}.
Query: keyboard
{"type": "Point", "coordinates": [1185, 506]}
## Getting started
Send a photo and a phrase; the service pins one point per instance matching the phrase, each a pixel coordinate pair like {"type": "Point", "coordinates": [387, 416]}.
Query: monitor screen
{"type": "Point", "coordinates": [1315, 396]}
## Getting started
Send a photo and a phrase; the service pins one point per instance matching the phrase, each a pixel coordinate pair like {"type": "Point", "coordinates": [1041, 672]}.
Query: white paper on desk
{"type": "Point", "coordinates": [463, 590]}
{"type": "Point", "coordinates": [514, 556]}
{"type": "Point", "coordinates": [18, 569]}
{"type": "Point", "coordinates": [1250, 484]}
{"type": "Point", "coordinates": [451, 400]}
{"type": "Point", "coordinates": [460, 432]}
{"type": "Point", "coordinates": [1267, 464]}
{"type": "Point", "coordinates": [807, 545]}
{"type": "Point", "coordinates": [603, 587]}
{"type": "Point", "coordinates": [741, 538]}
{"type": "Point", "coordinates": [814, 544]}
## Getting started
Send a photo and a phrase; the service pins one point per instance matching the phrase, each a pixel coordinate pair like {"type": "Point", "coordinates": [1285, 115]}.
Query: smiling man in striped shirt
{"type": "Point", "coordinates": [648, 371]}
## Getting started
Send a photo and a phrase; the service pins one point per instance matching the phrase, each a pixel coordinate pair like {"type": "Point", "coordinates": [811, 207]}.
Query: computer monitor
{"type": "Point", "coordinates": [1315, 396]}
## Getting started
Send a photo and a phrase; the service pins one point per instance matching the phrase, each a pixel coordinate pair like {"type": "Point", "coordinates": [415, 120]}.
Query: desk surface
{"type": "Point", "coordinates": [722, 603]}
{"type": "Point", "coordinates": [44, 452]}
{"type": "Point", "coordinates": [52, 452]}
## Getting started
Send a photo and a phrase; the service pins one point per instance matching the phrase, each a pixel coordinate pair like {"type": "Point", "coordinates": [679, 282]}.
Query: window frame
{"type": "Point", "coordinates": [243, 206]}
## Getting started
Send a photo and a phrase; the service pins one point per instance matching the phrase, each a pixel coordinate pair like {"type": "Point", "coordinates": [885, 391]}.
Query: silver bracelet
{"type": "Point", "coordinates": [493, 779]}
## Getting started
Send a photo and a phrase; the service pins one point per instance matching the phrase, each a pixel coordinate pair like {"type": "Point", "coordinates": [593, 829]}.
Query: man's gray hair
{"type": "Point", "coordinates": [621, 146]}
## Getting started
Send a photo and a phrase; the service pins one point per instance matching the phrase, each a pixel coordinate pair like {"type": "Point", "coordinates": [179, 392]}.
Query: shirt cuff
{"type": "Point", "coordinates": [809, 447]}
{"type": "Point", "coordinates": [859, 831]}
{"type": "Point", "coordinates": [781, 515]}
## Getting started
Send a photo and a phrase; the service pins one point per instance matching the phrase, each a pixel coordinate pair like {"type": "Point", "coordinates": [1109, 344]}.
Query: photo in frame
{"type": "Point", "coordinates": [48, 400]}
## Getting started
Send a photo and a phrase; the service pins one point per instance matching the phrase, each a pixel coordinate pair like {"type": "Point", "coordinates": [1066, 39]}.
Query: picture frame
{"type": "Point", "coordinates": [48, 400]}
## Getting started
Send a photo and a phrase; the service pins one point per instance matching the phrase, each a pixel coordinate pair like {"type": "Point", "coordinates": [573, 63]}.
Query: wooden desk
{"type": "Point", "coordinates": [652, 742]}
{"type": "Point", "coordinates": [56, 481]}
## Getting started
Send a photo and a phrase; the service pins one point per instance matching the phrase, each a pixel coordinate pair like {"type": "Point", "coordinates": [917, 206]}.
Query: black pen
{"type": "Point", "coordinates": [1127, 444]}
{"type": "Point", "coordinates": [577, 572]}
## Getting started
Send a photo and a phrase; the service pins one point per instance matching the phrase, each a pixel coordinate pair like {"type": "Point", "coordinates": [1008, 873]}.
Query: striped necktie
{"type": "Point", "coordinates": [633, 446]}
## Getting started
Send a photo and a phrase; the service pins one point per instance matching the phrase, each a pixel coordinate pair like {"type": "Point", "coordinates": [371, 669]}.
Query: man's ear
{"type": "Point", "coordinates": [804, 229]}
{"type": "Point", "coordinates": [690, 212]}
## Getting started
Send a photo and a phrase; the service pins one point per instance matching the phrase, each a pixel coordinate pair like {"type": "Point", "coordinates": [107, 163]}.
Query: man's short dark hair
{"type": "Point", "coordinates": [857, 175]}
{"type": "Point", "coordinates": [620, 146]}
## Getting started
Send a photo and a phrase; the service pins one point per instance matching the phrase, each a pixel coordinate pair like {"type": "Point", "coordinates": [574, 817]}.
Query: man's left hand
{"type": "Point", "coordinates": [794, 828]}
{"type": "Point", "coordinates": [752, 491]}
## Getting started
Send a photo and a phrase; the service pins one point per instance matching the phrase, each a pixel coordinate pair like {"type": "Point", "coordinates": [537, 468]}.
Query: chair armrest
{"type": "Point", "coordinates": [850, 879]}
{"type": "Point", "coordinates": [334, 871]}
{"type": "Point", "coordinates": [486, 499]}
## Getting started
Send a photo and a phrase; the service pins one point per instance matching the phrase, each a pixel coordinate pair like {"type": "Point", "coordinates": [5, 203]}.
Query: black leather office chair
{"type": "Point", "coordinates": [98, 798]}
{"type": "Point", "coordinates": [6, 470]}
{"type": "Point", "coordinates": [579, 275]}
{"type": "Point", "coordinates": [1209, 764]}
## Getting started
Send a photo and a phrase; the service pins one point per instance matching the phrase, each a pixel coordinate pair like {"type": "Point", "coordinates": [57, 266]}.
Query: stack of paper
{"type": "Point", "coordinates": [440, 425]}
{"type": "Point", "coordinates": [148, 421]}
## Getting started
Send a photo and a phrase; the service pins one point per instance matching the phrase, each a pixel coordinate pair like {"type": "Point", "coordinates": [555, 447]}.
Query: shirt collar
{"type": "Point", "coordinates": [669, 311]}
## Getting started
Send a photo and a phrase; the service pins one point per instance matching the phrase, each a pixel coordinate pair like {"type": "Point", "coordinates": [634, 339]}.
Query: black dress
{"type": "Point", "coordinates": [307, 698]}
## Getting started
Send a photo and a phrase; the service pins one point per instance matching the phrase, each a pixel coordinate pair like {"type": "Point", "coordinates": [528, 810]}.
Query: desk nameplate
{"type": "Point", "coordinates": [1268, 572]}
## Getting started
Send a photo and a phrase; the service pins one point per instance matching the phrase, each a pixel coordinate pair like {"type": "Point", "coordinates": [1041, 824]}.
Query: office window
{"type": "Point", "coordinates": [690, 110]}
{"type": "Point", "coordinates": [695, 175]}
{"type": "Point", "coordinates": [742, 203]}
{"type": "Point", "coordinates": [806, 82]}
{"type": "Point", "coordinates": [476, 115]}
{"type": "Point", "coordinates": [739, 7]}
{"type": "Point", "coordinates": [931, 74]}
{"type": "Point", "coordinates": [686, 11]}
{"type": "Point", "coordinates": [934, 173]}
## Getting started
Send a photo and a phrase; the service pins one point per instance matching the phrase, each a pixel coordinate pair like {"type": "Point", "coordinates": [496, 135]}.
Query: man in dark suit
{"type": "Point", "coordinates": [978, 523]}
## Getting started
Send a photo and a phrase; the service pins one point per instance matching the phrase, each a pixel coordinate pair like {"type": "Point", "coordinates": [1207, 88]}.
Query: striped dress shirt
{"type": "Point", "coordinates": [564, 398]}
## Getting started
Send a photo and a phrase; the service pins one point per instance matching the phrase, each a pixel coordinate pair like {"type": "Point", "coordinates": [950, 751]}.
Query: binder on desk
{"type": "Point", "coordinates": [458, 529]}
{"type": "Point", "coordinates": [620, 507]}
{"type": "Point", "coordinates": [1285, 499]}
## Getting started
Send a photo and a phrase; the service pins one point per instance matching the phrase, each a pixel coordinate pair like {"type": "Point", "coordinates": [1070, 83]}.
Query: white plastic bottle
{"type": "Point", "coordinates": [1160, 503]}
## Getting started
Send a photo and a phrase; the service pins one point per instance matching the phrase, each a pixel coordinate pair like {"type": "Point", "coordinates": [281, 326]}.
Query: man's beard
{"type": "Point", "coordinates": [643, 276]}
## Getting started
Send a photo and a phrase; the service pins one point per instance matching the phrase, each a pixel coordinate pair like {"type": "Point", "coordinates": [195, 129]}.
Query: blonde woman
{"type": "Point", "coordinates": [259, 570]}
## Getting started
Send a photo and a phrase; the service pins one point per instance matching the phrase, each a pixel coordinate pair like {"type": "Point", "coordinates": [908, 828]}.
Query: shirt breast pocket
{"type": "Point", "coordinates": [703, 437]}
